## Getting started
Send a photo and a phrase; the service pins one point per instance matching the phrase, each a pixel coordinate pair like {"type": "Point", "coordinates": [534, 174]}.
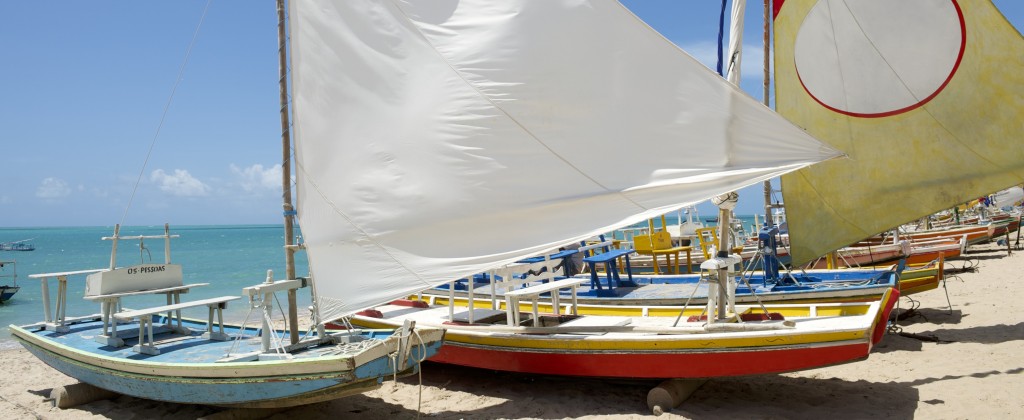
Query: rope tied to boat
{"type": "Point", "coordinates": [406, 334]}
{"type": "Point", "coordinates": [355, 347]}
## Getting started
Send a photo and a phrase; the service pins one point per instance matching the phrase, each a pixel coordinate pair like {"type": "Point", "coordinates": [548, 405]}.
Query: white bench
{"type": "Point", "coordinates": [57, 319]}
{"type": "Point", "coordinates": [533, 292]}
{"type": "Point", "coordinates": [145, 316]}
{"type": "Point", "coordinates": [110, 304]}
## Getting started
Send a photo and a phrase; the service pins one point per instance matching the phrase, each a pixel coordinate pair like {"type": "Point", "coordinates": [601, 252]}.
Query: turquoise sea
{"type": "Point", "coordinates": [227, 257]}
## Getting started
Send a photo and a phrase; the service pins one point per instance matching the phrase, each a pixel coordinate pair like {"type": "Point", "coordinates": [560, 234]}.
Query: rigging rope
{"type": "Point", "coordinates": [167, 106]}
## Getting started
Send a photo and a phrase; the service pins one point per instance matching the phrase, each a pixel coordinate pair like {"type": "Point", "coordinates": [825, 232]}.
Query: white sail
{"type": "Point", "coordinates": [435, 140]}
{"type": "Point", "coordinates": [734, 57]}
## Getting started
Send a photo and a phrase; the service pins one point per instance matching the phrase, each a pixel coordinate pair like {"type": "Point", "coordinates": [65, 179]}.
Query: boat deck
{"type": "Point", "coordinates": [823, 318]}
{"type": "Point", "coordinates": [677, 289]}
{"type": "Point", "coordinates": [174, 347]}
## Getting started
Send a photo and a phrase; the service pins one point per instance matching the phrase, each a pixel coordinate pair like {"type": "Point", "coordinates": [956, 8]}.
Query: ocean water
{"type": "Point", "coordinates": [708, 220]}
{"type": "Point", "coordinates": [227, 257]}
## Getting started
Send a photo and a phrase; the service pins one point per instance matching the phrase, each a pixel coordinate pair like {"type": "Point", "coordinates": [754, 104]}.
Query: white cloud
{"type": "Point", "coordinates": [180, 183]}
{"type": "Point", "coordinates": [255, 177]}
{"type": "Point", "coordinates": [53, 188]}
{"type": "Point", "coordinates": [704, 51]}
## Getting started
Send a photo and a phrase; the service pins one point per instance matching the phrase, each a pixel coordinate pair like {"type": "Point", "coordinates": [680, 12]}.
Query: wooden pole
{"type": "Point", "coordinates": [286, 173]}
{"type": "Point", "coordinates": [113, 251]}
{"type": "Point", "coordinates": [766, 85]}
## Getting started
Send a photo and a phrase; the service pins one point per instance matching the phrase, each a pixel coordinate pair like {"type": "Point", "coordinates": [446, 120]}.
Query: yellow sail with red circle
{"type": "Point", "coordinates": [924, 97]}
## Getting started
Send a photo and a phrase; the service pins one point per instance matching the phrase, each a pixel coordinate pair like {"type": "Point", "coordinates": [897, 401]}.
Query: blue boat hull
{"type": "Point", "coordinates": [176, 377]}
{"type": "Point", "coordinates": [6, 292]}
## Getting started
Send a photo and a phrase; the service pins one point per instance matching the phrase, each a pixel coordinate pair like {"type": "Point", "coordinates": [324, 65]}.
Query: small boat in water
{"type": "Point", "coordinates": [22, 245]}
{"type": "Point", "coordinates": [8, 271]}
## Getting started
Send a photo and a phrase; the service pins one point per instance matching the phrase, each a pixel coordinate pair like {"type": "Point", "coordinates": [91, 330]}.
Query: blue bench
{"type": "Point", "coordinates": [565, 255]}
{"type": "Point", "coordinates": [609, 257]}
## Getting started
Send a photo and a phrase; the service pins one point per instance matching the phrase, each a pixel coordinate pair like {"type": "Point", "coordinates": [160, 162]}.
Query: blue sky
{"type": "Point", "coordinates": [85, 85]}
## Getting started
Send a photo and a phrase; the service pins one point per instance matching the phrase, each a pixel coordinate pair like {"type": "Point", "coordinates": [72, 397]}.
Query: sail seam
{"type": "Point", "coordinates": [878, 53]}
{"type": "Point", "coordinates": [504, 112]}
{"type": "Point", "coordinates": [363, 233]}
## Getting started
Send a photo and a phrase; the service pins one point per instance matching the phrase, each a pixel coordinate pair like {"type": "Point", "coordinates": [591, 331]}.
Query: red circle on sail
{"type": "Point", "coordinates": [863, 61]}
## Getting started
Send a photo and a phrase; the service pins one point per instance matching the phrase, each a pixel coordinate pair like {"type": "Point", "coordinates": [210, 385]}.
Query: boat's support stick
{"type": "Point", "coordinates": [267, 307]}
{"type": "Point", "coordinates": [1009, 248]}
{"type": "Point", "coordinates": [1020, 219]}
{"type": "Point", "coordinates": [725, 202]}
{"type": "Point", "coordinates": [77, 394]}
{"type": "Point", "coordinates": [671, 393]}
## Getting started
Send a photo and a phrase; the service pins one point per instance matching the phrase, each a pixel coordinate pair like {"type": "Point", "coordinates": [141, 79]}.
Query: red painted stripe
{"type": "Point", "coordinates": [952, 72]}
{"type": "Point", "coordinates": [883, 316]}
{"type": "Point", "coordinates": [652, 365]}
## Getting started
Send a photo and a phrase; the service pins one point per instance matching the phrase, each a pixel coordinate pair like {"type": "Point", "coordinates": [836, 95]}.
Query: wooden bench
{"type": "Point", "coordinates": [145, 316]}
{"type": "Point", "coordinates": [533, 292]}
{"type": "Point", "coordinates": [609, 257]}
{"type": "Point", "coordinates": [110, 304]}
{"type": "Point", "coordinates": [565, 256]}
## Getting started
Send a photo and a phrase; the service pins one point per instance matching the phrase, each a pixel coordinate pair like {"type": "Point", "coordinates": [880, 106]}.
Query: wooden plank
{"type": "Point", "coordinates": [128, 315]}
{"type": "Point", "coordinates": [65, 273]}
{"type": "Point", "coordinates": [480, 315]}
{"type": "Point", "coordinates": [546, 287]}
{"type": "Point", "coordinates": [608, 256]}
{"type": "Point", "coordinates": [598, 321]}
{"type": "Point", "coordinates": [146, 291]}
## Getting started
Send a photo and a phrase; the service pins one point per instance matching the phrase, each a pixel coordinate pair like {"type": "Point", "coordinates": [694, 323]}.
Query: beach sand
{"type": "Point", "coordinates": [973, 371]}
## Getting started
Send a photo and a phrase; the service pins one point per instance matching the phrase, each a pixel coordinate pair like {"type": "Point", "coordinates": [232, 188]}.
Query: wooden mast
{"type": "Point", "coordinates": [286, 173]}
{"type": "Point", "coordinates": [769, 222]}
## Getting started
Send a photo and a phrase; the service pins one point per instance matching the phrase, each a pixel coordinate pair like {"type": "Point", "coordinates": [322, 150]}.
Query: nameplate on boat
{"type": "Point", "coordinates": [136, 277]}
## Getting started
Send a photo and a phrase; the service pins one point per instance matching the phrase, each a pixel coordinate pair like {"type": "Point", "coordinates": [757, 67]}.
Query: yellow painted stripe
{"type": "Point", "coordinates": [637, 343]}
{"type": "Point", "coordinates": [673, 311]}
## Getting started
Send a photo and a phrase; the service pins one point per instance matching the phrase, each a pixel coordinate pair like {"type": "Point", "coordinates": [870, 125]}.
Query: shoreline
{"type": "Point", "coordinates": [972, 371]}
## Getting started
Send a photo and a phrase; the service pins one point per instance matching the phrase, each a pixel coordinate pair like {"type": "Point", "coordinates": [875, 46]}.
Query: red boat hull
{"type": "Point", "coordinates": [652, 366]}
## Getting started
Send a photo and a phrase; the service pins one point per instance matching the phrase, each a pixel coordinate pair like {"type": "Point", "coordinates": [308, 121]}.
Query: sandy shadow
{"type": "Point", "coordinates": [486, 394]}
{"type": "Point", "coordinates": [541, 397]}
{"type": "Point", "coordinates": [783, 397]}
{"type": "Point", "coordinates": [990, 256]}
{"type": "Point", "coordinates": [989, 334]}
{"type": "Point", "coordinates": [894, 342]}
{"type": "Point", "coordinates": [501, 395]}
{"type": "Point", "coordinates": [45, 393]}
{"type": "Point", "coordinates": [939, 316]}
{"type": "Point", "coordinates": [516, 396]}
